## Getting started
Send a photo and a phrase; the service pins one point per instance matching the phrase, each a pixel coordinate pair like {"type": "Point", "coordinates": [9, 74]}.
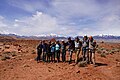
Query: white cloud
{"type": "Point", "coordinates": [39, 23]}
{"type": "Point", "coordinates": [3, 25]}
{"type": "Point", "coordinates": [67, 17]}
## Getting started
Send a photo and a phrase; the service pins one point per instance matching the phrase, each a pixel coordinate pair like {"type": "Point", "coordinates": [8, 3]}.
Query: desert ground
{"type": "Point", "coordinates": [17, 62]}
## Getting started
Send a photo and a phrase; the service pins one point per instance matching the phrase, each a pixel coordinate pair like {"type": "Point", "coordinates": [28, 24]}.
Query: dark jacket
{"type": "Point", "coordinates": [45, 46]}
{"type": "Point", "coordinates": [39, 47]}
{"type": "Point", "coordinates": [71, 44]}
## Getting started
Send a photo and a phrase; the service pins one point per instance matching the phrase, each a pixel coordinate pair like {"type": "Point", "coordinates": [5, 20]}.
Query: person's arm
{"type": "Point", "coordinates": [38, 47]}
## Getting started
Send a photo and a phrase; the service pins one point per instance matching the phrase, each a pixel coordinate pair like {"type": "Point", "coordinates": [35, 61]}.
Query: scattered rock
{"type": "Point", "coordinates": [49, 70]}
{"type": "Point", "coordinates": [25, 65]}
{"type": "Point", "coordinates": [78, 71]}
{"type": "Point", "coordinates": [118, 64]}
{"type": "Point", "coordinates": [7, 46]}
{"type": "Point", "coordinates": [10, 67]}
{"type": "Point", "coordinates": [117, 60]}
{"type": "Point", "coordinates": [4, 69]}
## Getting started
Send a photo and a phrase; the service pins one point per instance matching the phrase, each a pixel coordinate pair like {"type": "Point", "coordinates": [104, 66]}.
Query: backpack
{"type": "Point", "coordinates": [52, 49]}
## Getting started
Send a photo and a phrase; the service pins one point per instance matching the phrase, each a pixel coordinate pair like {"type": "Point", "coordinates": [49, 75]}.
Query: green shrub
{"type": "Point", "coordinates": [33, 52]}
{"type": "Point", "coordinates": [5, 57]}
{"type": "Point", "coordinates": [6, 52]}
{"type": "Point", "coordinates": [13, 54]}
{"type": "Point", "coordinates": [103, 55]}
{"type": "Point", "coordinates": [82, 64]}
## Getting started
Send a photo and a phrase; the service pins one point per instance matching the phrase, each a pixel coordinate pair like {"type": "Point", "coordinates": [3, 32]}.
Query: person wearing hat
{"type": "Point", "coordinates": [85, 49]}
{"type": "Point", "coordinates": [78, 45]}
{"type": "Point", "coordinates": [71, 48]}
{"type": "Point", "coordinates": [92, 46]}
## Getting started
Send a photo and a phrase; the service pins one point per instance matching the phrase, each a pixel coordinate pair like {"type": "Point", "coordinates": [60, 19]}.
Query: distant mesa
{"type": "Point", "coordinates": [52, 37]}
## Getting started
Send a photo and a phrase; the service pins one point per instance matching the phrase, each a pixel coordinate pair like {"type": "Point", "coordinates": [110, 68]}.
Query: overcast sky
{"type": "Point", "coordinates": [62, 17]}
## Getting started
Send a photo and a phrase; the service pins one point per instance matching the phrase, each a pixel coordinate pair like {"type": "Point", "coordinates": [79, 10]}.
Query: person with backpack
{"type": "Point", "coordinates": [71, 48]}
{"type": "Point", "coordinates": [39, 51]}
{"type": "Point", "coordinates": [57, 50]}
{"type": "Point", "coordinates": [63, 50]}
{"type": "Point", "coordinates": [78, 45]}
{"type": "Point", "coordinates": [53, 51]}
{"type": "Point", "coordinates": [45, 50]}
{"type": "Point", "coordinates": [85, 49]}
{"type": "Point", "coordinates": [92, 46]}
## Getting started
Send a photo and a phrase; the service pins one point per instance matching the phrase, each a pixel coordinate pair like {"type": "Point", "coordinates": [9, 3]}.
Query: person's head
{"type": "Point", "coordinates": [63, 41]}
{"type": "Point", "coordinates": [40, 42]}
{"type": "Point", "coordinates": [52, 43]}
{"type": "Point", "coordinates": [91, 38]}
{"type": "Point", "coordinates": [57, 42]}
{"type": "Point", "coordinates": [76, 39]}
{"type": "Point", "coordinates": [85, 38]}
{"type": "Point", "coordinates": [49, 42]}
{"type": "Point", "coordinates": [69, 39]}
{"type": "Point", "coordinates": [43, 41]}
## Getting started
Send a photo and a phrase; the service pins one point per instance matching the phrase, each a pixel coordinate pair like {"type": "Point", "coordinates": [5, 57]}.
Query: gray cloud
{"type": "Point", "coordinates": [67, 17]}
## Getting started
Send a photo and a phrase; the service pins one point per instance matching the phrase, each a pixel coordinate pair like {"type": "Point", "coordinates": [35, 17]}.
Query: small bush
{"type": "Point", "coordinates": [82, 64]}
{"type": "Point", "coordinates": [3, 58]}
{"type": "Point", "coordinates": [103, 55]}
{"type": "Point", "coordinates": [99, 51]}
{"type": "Point", "coordinates": [13, 54]}
{"type": "Point", "coordinates": [7, 46]}
{"type": "Point", "coordinates": [33, 52]}
{"type": "Point", "coordinates": [7, 57]}
{"type": "Point", "coordinates": [6, 52]}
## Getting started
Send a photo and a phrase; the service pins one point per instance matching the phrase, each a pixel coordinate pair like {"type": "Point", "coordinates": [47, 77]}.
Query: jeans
{"type": "Point", "coordinates": [63, 55]}
{"type": "Point", "coordinates": [39, 55]}
{"type": "Point", "coordinates": [44, 56]}
{"type": "Point", "coordinates": [58, 55]}
{"type": "Point", "coordinates": [49, 57]}
{"type": "Point", "coordinates": [53, 56]}
{"type": "Point", "coordinates": [85, 52]}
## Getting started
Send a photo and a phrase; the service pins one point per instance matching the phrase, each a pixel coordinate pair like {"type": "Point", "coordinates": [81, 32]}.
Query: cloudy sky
{"type": "Point", "coordinates": [62, 17]}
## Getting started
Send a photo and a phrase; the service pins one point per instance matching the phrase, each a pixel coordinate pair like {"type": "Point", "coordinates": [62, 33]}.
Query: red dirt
{"type": "Point", "coordinates": [24, 67]}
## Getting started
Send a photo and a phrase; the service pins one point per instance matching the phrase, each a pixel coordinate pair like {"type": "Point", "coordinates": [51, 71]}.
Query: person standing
{"type": "Point", "coordinates": [49, 52]}
{"type": "Point", "coordinates": [57, 50]}
{"type": "Point", "coordinates": [71, 47]}
{"type": "Point", "coordinates": [92, 46]}
{"type": "Point", "coordinates": [39, 51]}
{"type": "Point", "coordinates": [85, 49]}
{"type": "Point", "coordinates": [78, 45]}
{"type": "Point", "coordinates": [63, 50]}
{"type": "Point", "coordinates": [53, 51]}
{"type": "Point", "coordinates": [44, 50]}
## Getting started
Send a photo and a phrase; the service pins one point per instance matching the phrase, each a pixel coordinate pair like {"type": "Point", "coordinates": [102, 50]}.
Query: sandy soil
{"type": "Point", "coordinates": [22, 65]}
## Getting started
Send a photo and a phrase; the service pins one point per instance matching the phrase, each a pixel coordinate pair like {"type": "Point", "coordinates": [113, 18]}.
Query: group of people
{"type": "Point", "coordinates": [49, 51]}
